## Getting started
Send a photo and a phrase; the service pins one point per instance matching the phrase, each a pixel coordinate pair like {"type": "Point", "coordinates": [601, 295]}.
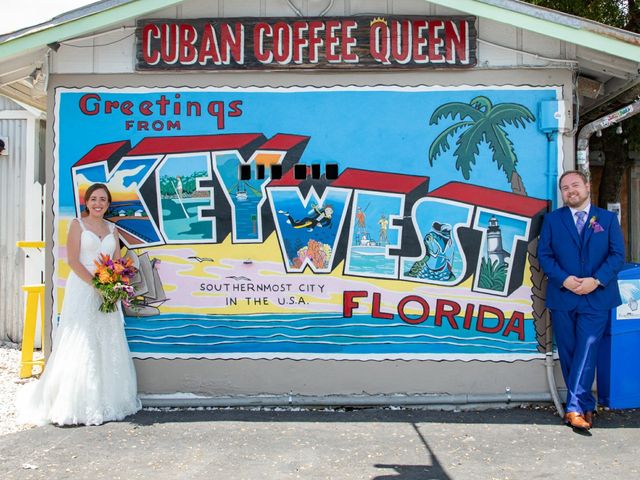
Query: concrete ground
{"type": "Point", "coordinates": [519, 443]}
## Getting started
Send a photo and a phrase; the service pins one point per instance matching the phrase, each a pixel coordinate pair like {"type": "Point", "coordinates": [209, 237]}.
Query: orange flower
{"type": "Point", "coordinates": [104, 276]}
{"type": "Point", "coordinates": [127, 262]}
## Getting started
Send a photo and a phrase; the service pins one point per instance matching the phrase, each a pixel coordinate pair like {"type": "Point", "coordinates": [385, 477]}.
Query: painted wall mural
{"type": "Point", "coordinates": [347, 222]}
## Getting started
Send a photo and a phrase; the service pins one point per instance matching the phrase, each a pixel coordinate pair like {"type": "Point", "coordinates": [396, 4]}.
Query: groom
{"type": "Point", "coordinates": [581, 250]}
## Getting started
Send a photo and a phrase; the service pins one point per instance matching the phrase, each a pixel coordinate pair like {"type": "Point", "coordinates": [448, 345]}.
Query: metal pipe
{"type": "Point", "coordinates": [582, 152]}
{"type": "Point", "coordinates": [551, 380]}
{"type": "Point", "coordinates": [292, 400]}
{"type": "Point", "coordinates": [294, 8]}
{"type": "Point", "coordinates": [549, 364]}
{"type": "Point", "coordinates": [551, 178]}
{"type": "Point", "coordinates": [327, 8]}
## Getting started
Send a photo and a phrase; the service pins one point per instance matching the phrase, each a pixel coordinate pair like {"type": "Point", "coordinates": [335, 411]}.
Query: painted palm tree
{"type": "Point", "coordinates": [480, 121]}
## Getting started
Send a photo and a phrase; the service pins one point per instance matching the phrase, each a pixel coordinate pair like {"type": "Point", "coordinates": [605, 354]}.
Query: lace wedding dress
{"type": "Point", "coordinates": [89, 377]}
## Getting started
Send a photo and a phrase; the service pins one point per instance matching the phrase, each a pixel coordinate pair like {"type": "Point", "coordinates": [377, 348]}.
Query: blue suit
{"type": "Point", "coordinates": [579, 321]}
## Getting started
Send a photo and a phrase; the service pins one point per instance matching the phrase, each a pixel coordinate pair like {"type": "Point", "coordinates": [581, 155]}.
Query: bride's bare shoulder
{"type": "Point", "coordinates": [75, 225]}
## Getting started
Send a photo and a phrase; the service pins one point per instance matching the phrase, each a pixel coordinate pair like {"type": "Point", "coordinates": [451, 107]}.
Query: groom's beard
{"type": "Point", "coordinates": [577, 200]}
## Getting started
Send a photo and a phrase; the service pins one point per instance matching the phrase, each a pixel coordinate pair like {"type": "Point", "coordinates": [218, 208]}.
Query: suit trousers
{"type": "Point", "coordinates": [578, 334]}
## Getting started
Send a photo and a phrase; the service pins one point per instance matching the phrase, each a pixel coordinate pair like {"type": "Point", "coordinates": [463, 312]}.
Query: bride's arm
{"type": "Point", "coordinates": [73, 253]}
{"type": "Point", "coordinates": [116, 253]}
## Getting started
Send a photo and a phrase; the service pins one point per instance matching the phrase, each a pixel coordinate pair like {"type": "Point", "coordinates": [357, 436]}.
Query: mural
{"type": "Point", "coordinates": [346, 222]}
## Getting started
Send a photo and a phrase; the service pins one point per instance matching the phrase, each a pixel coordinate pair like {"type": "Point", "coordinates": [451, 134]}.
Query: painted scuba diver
{"type": "Point", "coordinates": [437, 262]}
{"type": "Point", "coordinates": [320, 217]}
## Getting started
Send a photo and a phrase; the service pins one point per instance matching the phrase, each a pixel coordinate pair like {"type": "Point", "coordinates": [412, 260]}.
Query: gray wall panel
{"type": "Point", "coordinates": [12, 205]}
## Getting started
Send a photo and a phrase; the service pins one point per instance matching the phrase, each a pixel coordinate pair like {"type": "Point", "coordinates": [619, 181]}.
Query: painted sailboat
{"type": "Point", "coordinates": [241, 192]}
{"type": "Point", "coordinates": [147, 286]}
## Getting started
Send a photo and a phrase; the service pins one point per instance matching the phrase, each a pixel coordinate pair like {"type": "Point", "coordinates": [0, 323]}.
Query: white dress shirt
{"type": "Point", "coordinates": [586, 209]}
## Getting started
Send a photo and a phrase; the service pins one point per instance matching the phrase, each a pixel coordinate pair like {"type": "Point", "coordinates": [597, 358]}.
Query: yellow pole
{"type": "Point", "coordinates": [28, 244]}
{"type": "Point", "coordinates": [35, 297]}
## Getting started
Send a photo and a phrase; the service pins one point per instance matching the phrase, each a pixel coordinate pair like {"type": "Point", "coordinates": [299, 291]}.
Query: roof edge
{"type": "Point", "coordinates": [551, 23]}
{"type": "Point", "coordinates": [35, 39]}
{"type": "Point", "coordinates": [63, 17]}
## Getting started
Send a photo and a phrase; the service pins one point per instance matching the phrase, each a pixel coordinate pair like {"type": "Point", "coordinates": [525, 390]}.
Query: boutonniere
{"type": "Point", "coordinates": [594, 225]}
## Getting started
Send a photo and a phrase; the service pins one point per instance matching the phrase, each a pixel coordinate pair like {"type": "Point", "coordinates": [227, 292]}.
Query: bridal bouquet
{"type": "Point", "coordinates": [112, 279]}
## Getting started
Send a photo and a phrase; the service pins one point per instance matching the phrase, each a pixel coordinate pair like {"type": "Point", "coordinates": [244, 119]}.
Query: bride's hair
{"type": "Point", "coordinates": [92, 188]}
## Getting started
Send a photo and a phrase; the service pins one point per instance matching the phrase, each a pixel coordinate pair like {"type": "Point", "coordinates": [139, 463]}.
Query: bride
{"type": "Point", "coordinates": [89, 378]}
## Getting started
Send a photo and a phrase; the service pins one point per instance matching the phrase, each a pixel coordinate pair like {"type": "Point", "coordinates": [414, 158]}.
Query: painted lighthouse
{"type": "Point", "coordinates": [495, 252]}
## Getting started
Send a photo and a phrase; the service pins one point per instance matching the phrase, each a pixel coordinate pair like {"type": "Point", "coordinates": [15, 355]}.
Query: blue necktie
{"type": "Point", "coordinates": [580, 216]}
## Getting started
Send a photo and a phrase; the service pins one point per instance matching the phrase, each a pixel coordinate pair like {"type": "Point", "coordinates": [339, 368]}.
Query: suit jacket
{"type": "Point", "coordinates": [598, 253]}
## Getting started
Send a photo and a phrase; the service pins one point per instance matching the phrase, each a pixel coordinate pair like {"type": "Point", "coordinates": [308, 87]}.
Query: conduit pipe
{"type": "Point", "coordinates": [292, 400]}
{"type": "Point", "coordinates": [582, 152]}
{"type": "Point", "coordinates": [549, 366]}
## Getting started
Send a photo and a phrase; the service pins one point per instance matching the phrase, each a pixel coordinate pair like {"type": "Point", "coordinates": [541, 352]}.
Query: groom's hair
{"type": "Point", "coordinates": [573, 172]}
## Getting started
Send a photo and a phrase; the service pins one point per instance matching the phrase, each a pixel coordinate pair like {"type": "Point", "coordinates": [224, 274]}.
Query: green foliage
{"type": "Point", "coordinates": [168, 184]}
{"type": "Point", "coordinates": [610, 12]}
{"type": "Point", "coordinates": [493, 275]}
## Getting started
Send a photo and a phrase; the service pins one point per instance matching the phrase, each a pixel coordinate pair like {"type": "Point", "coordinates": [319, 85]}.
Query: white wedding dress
{"type": "Point", "coordinates": [89, 377]}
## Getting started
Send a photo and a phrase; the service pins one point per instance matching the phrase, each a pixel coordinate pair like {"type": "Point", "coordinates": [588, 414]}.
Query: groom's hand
{"type": "Point", "coordinates": [572, 283]}
{"type": "Point", "coordinates": [587, 285]}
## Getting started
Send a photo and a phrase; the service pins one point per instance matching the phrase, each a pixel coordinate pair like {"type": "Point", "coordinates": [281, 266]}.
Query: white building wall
{"type": "Point", "coordinates": [21, 214]}
{"type": "Point", "coordinates": [109, 61]}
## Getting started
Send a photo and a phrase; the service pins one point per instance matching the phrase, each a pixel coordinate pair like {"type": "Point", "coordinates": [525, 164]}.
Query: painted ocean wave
{"type": "Point", "coordinates": [226, 342]}
{"type": "Point", "coordinates": [159, 330]}
{"type": "Point", "coordinates": [315, 334]}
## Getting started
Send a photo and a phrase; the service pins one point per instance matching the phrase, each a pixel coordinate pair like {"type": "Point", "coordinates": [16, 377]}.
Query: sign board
{"type": "Point", "coordinates": [306, 43]}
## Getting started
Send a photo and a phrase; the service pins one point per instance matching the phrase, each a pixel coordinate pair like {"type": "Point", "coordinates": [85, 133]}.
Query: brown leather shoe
{"type": "Point", "coordinates": [588, 416]}
{"type": "Point", "coordinates": [576, 420]}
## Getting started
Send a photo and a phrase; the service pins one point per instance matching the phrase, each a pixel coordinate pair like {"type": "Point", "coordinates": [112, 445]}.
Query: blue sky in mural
{"type": "Point", "coordinates": [184, 165]}
{"type": "Point", "coordinates": [380, 129]}
{"type": "Point", "coordinates": [373, 207]}
{"type": "Point", "coordinates": [127, 180]}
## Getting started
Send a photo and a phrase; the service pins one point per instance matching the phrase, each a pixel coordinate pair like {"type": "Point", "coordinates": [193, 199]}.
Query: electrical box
{"type": "Point", "coordinates": [554, 116]}
{"type": "Point", "coordinates": [619, 355]}
{"type": "Point", "coordinates": [615, 208]}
